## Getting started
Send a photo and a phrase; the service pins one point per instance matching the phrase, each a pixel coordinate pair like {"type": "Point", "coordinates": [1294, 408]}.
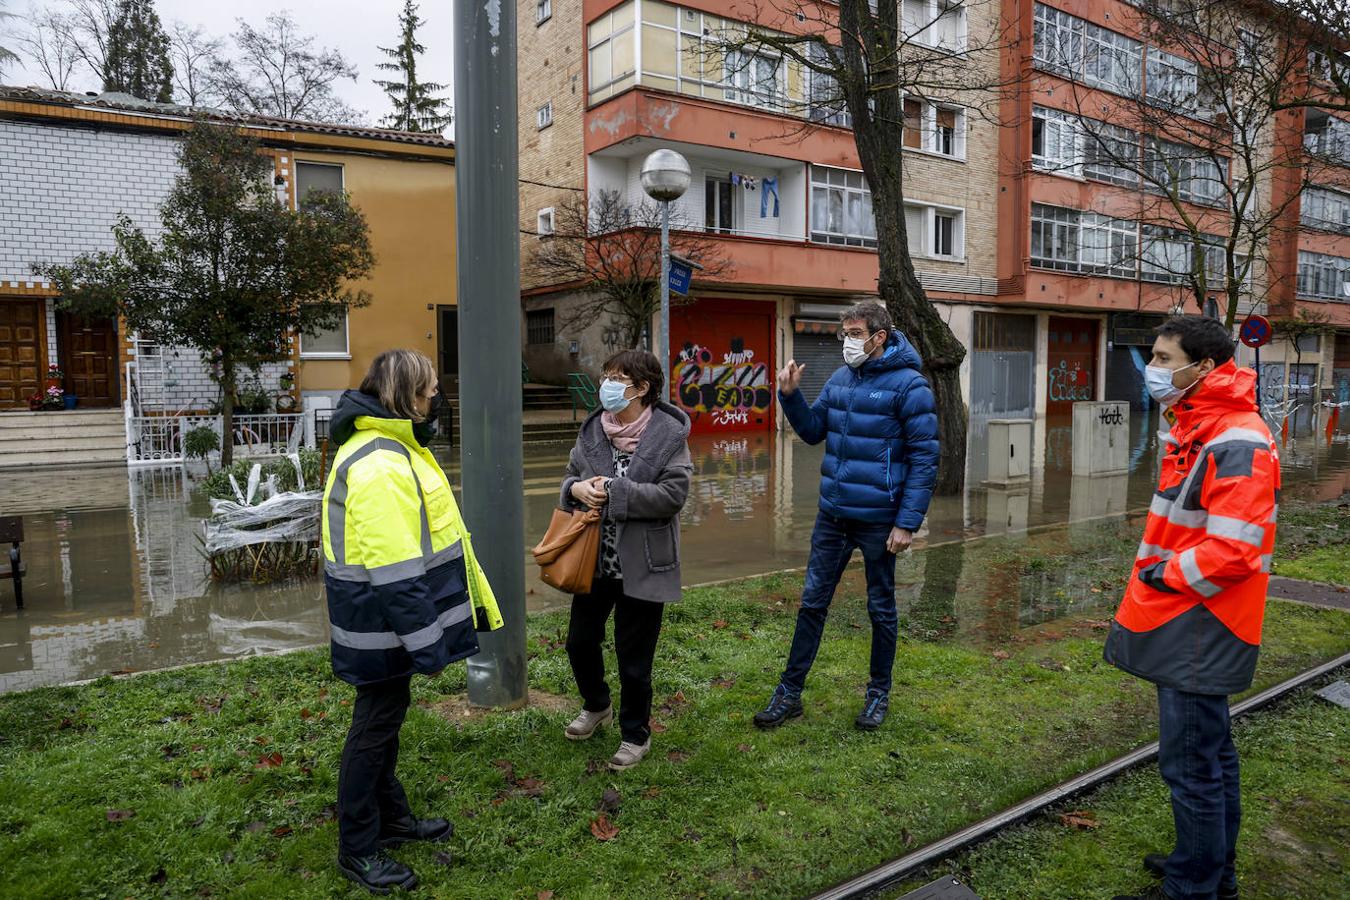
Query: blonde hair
{"type": "Point", "coordinates": [398, 378]}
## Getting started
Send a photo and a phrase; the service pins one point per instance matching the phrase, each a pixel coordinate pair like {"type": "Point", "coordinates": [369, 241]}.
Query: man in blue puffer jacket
{"type": "Point", "coordinates": [879, 424]}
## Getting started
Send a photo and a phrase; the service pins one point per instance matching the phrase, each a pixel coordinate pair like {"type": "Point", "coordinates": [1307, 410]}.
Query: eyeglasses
{"type": "Point", "coordinates": [854, 333]}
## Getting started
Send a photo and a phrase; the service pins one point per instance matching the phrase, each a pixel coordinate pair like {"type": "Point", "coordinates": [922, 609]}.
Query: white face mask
{"type": "Point", "coordinates": [1160, 385]}
{"type": "Point", "coordinates": [854, 354]}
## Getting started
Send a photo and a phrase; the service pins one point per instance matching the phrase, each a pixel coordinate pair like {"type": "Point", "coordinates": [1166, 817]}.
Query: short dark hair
{"type": "Point", "coordinates": [877, 317]}
{"type": "Point", "coordinates": [639, 365]}
{"type": "Point", "coordinates": [1200, 337]}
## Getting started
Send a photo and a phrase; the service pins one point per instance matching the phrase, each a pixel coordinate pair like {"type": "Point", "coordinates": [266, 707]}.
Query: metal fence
{"type": "Point", "coordinates": [159, 440]}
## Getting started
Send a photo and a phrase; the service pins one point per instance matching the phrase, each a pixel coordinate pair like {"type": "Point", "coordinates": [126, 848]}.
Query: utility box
{"type": "Point", "coordinates": [1009, 451]}
{"type": "Point", "coordinates": [1008, 508]}
{"type": "Point", "coordinates": [1101, 437]}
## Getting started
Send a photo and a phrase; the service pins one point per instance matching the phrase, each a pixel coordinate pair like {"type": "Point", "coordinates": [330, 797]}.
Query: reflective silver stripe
{"type": "Point", "coordinates": [1149, 550]}
{"type": "Point", "coordinates": [1266, 559]}
{"type": "Point", "coordinates": [1275, 513]}
{"type": "Point", "coordinates": [356, 572]}
{"type": "Point", "coordinates": [399, 571]}
{"type": "Point", "coordinates": [1240, 434]}
{"type": "Point", "coordinates": [1190, 570]}
{"type": "Point", "coordinates": [388, 640]}
{"type": "Point", "coordinates": [1238, 530]}
{"type": "Point", "coordinates": [337, 497]}
{"type": "Point", "coordinates": [1160, 506]}
{"type": "Point", "coordinates": [1187, 518]}
{"type": "Point", "coordinates": [425, 637]}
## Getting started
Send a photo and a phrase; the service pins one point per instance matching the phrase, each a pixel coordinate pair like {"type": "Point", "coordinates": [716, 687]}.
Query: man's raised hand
{"type": "Point", "coordinates": [790, 377]}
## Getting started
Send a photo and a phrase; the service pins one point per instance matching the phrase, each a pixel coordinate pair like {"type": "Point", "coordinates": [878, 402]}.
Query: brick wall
{"type": "Point", "coordinates": [552, 159]}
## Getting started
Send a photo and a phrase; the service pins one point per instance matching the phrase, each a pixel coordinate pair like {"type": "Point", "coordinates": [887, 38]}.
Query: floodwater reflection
{"type": "Point", "coordinates": [117, 581]}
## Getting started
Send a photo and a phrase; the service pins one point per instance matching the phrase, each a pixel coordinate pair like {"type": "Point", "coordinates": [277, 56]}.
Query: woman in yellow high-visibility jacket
{"type": "Point", "coordinates": [405, 595]}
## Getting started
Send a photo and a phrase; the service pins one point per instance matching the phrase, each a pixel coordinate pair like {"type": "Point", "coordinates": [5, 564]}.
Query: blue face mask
{"type": "Point", "coordinates": [1160, 386]}
{"type": "Point", "coordinates": [613, 395]}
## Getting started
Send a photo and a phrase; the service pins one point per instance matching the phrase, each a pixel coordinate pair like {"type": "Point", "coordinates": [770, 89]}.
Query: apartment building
{"type": "Point", "coordinates": [1029, 248]}
{"type": "Point", "coordinates": [777, 184]}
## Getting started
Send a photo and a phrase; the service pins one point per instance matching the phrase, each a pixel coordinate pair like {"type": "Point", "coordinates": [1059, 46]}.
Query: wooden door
{"type": "Point", "coordinates": [89, 350]}
{"type": "Point", "coordinates": [23, 360]}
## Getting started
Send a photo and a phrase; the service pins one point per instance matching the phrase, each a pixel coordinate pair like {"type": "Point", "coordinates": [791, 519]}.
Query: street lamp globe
{"type": "Point", "coordinates": [665, 176]}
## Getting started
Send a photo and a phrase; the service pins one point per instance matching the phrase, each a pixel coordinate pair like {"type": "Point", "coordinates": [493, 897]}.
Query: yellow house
{"type": "Point", "coordinates": [74, 163]}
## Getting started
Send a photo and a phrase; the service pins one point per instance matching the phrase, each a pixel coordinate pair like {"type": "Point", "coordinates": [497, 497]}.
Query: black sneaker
{"type": "Point", "coordinates": [782, 706]}
{"type": "Point", "coordinates": [409, 830]}
{"type": "Point", "coordinates": [378, 873]}
{"type": "Point", "coordinates": [874, 710]}
{"type": "Point", "coordinates": [1154, 863]}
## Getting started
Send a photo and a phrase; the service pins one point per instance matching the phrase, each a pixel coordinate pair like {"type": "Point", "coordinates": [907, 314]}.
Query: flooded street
{"type": "Point", "coordinates": [116, 580]}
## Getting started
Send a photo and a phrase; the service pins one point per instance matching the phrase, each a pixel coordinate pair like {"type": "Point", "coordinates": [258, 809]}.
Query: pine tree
{"type": "Point", "coordinates": [138, 53]}
{"type": "Point", "coordinates": [416, 108]}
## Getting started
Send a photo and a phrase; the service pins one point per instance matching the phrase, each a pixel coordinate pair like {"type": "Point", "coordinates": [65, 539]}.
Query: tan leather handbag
{"type": "Point", "coordinates": [568, 552]}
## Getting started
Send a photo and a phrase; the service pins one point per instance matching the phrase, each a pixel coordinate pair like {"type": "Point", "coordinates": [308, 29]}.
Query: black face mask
{"type": "Point", "coordinates": [425, 430]}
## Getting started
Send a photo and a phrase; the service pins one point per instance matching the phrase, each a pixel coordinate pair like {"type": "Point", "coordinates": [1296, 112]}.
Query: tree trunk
{"type": "Point", "coordinates": [227, 388]}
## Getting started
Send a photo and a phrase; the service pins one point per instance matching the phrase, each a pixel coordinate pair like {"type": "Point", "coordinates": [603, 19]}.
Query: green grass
{"type": "Point", "coordinates": [1295, 824]}
{"type": "Point", "coordinates": [718, 809]}
{"type": "Point", "coordinates": [1327, 564]}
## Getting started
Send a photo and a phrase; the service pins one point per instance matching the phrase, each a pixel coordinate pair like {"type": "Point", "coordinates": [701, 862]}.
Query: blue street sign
{"type": "Point", "coordinates": [1255, 331]}
{"type": "Point", "coordinates": [680, 274]}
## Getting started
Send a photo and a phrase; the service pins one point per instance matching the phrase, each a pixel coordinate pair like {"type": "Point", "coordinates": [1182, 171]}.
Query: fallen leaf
{"type": "Point", "coordinates": [720, 623]}
{"type": "Point", "coordinates": [657, 727]}
{"type": "Point", "coordinates": [120, 815]}
{"type": "Point", "coordinates": [724, 683]}
{"type": "Point", "coordinates": [262, 740]}
{"type": "Point", "coordinates": [323, 693]}
{"type": "Point", "coordinates": [604, 829]}
{"type": "Point", "coordinates": [530, 787]}
{"type": "Point", "coordinates": [677, 756]}
{"type": "Point", "coordinates": [906, 837]}
{"type": "Point", "coordinates": [744, 748]}
{"type": "Point", "coordinates": [651, 792]}
{"type": "Point", "coordinates": [200, 774]}
{"type": "Point", "coordinates": [1002, 655]}
{"type": "Point", "coordinates": [269, 760]}
{"type": "Point", "coordinates": [609, 801]}
{"type": "Point", "coordinates": [305, 713]}
{"type": "Point", "coordinates": [442, 778]}
{"type": "Point", "coordinates": [1079, 818]}
{"type": "Point", "coordinates": [544, 895]}
{"type": "Point", "coordinates": [508, 769]}
{"type": "Point", "coordinates": [281, 831]}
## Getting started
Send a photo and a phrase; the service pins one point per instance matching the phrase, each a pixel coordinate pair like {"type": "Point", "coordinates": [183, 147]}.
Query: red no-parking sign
{"type": "Point", "coordinates": [1255, 331]}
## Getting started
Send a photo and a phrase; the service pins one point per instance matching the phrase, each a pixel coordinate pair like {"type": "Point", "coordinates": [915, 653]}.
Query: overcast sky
{"type": "Point", "coordinates": [355, 27]}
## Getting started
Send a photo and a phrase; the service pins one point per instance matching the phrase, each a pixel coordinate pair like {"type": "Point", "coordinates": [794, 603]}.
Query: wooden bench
{"type": "Point", "coordinates": [11, 532]}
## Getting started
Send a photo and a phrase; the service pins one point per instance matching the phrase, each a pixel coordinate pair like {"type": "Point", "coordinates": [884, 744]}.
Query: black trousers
{"type": "Point", "coordinates": [637, 624]}
{"type": "Point", "coordinates": [368, 791]}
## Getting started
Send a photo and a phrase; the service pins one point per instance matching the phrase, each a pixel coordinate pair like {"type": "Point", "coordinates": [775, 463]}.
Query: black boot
{"type": "Point", "coordinates": [377, 873]}
{"type": "Point", "coordinates": [873, 711]}
{"type": "Point", "coordinates": [1154, 863]}
{"type": "Point", "coordinates": [409, 830]}
{"type": "Point", "coordinates": [1154, 893]}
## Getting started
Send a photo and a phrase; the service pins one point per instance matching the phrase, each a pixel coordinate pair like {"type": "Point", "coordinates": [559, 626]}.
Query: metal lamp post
{"type": "Point", "coordinates": [665, 177]}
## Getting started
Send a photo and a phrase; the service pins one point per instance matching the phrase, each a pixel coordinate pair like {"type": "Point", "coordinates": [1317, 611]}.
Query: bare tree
{"type": "Point", "coordinates": [1325, 24]}
{"type": "Point", "coordinates": [1210, 183]}
{"type": "Point", "coordinates": [610, 251]}
{"type": "Point", "coordinates": [278, 71]}
{"type": "Point", "coordinates": [862, 60]}
{"type": "Point", "coordinates": [194, 54]}
{"type": "Point", "coordinates": [90, 24]}
{"type": "Point", "coordinates": [50, 46]}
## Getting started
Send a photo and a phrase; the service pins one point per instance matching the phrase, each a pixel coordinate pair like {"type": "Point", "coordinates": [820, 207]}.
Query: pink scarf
{"type": "Point", "coordinates": [625, 437]}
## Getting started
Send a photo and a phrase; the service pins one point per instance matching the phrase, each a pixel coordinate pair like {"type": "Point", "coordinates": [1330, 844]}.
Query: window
{"type": "Point", "coordinates": [945, 136]}
{"type": "Point", "coordinates": [539, 326]}
{"type": "Point", "coordinates": [841, 208]}
{"type": "Point", "coordinates": [754, 79]}
{"type": "Point", "coordinates": [544, 222]}
{"type": "Point", "coordinates": [1192, 173]}
{"type": "Point", "coordinates": [1180, 84]}
{"type": "Point", "coordinates": [934, 23]}
{"type": "Point", "coordinates": [912, 114]}
{"type": "Point", "coordinates": [1057, 41]}
{"type": "Point", "coordinates": [1165, 255]}
{"type": "Point", "coordinates": [543, 116]}
{"type": "Point", "coordinates": [1111, 60]}
{"type": "Point", "coordinates": [1054, 141]}
{"type": "Point", "coordinates": [1073, 241]}
{"type": "Point", "coordinates": [824, 101]}
{"type": "Point", "coordinates": [330, 343]}
{"type": "Point", "coordinates": [719, 205]}
{"type": "Point", "coordinates": [1327, 136]}
{"type": "Point", "coordinates": [316, 178]}
{"type": "Point", "coordinates": [543, 11]}
{"type": "Point", "coordinates": [1323, 277]}
{"type": "Point", "coordinates": [1327, 210]}
{"type": "Point", "coordinates": [944, 234]}
{"type": "Point", "coordinates": [611, 49]}
{"type": "Point", "coordinates": [933, 128]}
{"type": "Point", "coordinates": [1111, 153]}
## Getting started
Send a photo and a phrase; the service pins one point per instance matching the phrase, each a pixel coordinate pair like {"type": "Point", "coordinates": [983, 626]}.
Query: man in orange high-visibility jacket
{"type": "Point", "coordinates": [1191, 618]}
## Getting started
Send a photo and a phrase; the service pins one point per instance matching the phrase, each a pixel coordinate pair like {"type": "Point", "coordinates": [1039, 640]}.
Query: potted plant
{"type": "Point", "coordinates": [287, 381]}
{"type": "Point", "coordinates": [35, 402]}
{"type": "Point", "coordinates": [285, 403]}
{"type": "Point", "coordinates": [53, 398]}
{"type": "Point", "coordinates": [55, 377]}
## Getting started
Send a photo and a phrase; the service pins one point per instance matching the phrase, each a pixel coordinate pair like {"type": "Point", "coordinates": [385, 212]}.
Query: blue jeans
{"type": "Point", "coordinates": [832, 545]}
{"type": "Point", "coordinates": [1200, 764]}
